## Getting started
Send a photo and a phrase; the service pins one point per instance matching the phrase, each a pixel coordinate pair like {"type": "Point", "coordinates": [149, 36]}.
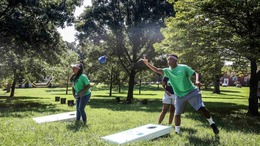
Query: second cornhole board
{"type": "Point", "coordinates": [145, 132]}
{"type": "Point", "coordinates": [56, 117]}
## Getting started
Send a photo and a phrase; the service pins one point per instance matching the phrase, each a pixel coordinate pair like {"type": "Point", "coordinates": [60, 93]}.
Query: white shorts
{"type": "Point", "coordinates": [168, 99]}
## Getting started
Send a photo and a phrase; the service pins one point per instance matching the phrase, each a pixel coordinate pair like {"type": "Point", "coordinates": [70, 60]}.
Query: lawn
{"type": "Point", "coordinates": [106, 116]}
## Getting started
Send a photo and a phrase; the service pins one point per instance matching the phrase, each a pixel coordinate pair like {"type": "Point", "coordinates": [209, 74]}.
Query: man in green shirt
{"type": "Point", "coordinates": [179, 76]}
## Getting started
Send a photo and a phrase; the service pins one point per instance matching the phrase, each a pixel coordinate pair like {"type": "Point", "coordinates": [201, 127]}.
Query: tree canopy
{"type": "Point", "coordinates": [216, 29]}
{"type": "Point", "coordinates": [28, 32]}
{"type": "Point", "coordinates": [128, 28]}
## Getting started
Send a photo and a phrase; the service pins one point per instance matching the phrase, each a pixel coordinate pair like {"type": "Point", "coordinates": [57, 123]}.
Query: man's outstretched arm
{"type": "Point", "coordinates": [153, 68]}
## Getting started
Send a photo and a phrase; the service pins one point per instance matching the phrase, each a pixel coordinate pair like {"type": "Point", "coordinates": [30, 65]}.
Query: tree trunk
{"type": "Point", "coordinates": [131, 84]}
{"type": "Point", "coordinates": [119, 86]}
{"type": "Point", "coordinates": [253, 100]}
{"type": "Point", "coordinates": [158, 81]}
{"type": "Point", "coordinates": [13, 88]}
{"type": "Point", "coordinates": [140, 86]}
{"type": "Point", "coordinates": [111, 81]}
{"type": "Point", "coordinates": [216, 85]}
{"type": "Point", "coordinates": [67, 85]}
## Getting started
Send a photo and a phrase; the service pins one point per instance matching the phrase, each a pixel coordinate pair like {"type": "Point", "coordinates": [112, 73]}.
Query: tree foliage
{"type": "Point", "coordinates": [33, 23]}
{"type": "Point", "coordinates": [189, 36]}
{"type": "Point", "coordinates": [238, 22]}
{"type": "Point", "coordinates": [28, 34]}
{"type": "Point", "coordinates": [129, 29]}
{"type": "Point", "coordinates": [208, 30]}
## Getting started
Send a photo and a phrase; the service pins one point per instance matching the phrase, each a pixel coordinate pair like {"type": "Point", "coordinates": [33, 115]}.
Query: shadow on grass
{"type": "Point", "coordinates": [58, 90]}
{"type": "Point", "coordinates": [166, 136]}
{"type": "Point", "coordinates": [19, 98]}
{"type": "Point", "coordinates": [237, 95]}
{"type": "Point", "coordinates": [106, 96]}
{"type": "Point", "coordinates": [229, 91]}
{"type": "Point", "coordinates": [74, 126]}
{"type": "Point", "coordinates": [61, 94]}
{"type": "Point", "coordinates": [154, 105]}
{"type": "Point", "coordinates": [189, 130]}
{"type": "Point", "coordinates": [195, 140]}
{"type": "Point", "coordinates": [24, 106]}
{"type": "Point", "coordinates": [121, 95]}
{"type": "Point", "coordinates": [145, 94]}
{"type": "Point", "coordinates": [228, 116]}
{"type": "Point", "coordinates": [240, 97]}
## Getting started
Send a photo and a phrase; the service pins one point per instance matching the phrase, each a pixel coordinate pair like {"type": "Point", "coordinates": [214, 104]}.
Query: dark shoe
{"type": "Point", "coordinates": [215, 128]}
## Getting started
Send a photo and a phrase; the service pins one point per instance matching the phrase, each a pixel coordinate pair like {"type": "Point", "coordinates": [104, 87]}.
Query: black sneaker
{"type": "Point", "coordinates": [215, 128]}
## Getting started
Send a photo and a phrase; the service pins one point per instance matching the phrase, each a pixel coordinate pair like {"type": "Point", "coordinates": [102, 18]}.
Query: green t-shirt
{"type": "Point", "coordinates": [80, 83]}
{"type": "Point", "coordinates": [180, 79]}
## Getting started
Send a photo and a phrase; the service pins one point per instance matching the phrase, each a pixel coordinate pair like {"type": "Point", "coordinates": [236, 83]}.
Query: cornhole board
{"type": "Point", "coordinates": [145, 132]}
{"type": "Point", "coordinates": [56, 117]}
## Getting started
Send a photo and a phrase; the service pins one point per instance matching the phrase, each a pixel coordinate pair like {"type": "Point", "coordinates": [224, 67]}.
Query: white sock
{"type": "Point", "coordinates": [177, 129]}
{"type": "Point", "coordinates": [210, 121]}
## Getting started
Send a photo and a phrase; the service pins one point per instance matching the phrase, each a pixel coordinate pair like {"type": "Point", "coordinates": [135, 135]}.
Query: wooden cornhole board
{"type": "Point", "coordinates": [145, 132]}
{"type": "Point", "coordinates": [56, 117]}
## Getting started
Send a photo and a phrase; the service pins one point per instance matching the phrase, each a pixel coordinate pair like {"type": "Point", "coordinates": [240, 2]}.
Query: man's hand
{"type": "Point", "coordinates": [81, 94]}
{"type": "Point", "coordinates": [198, 83]}
{"type": "Point", "coordinates": [145, 60]}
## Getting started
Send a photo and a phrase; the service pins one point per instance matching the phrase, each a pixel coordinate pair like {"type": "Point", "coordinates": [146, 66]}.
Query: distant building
{"type": "Point", "coordinates": [234, 80]}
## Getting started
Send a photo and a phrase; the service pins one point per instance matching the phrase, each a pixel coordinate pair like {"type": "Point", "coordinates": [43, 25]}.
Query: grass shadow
{"type": "Point", "coordinates": [228, 116]}
{"type": "Point", "coordinates": [145, 94]}
{"type": "Point", "coordinates": [166, 136]}
{"type": "Point", "coordinates": [217, 97]}
{"type": "Point", "coordinates": [229, 91]}
{"type": "Point", "coordinates": [57, 90]}
{"type": "Point", "coordinates": [60, 94]}
{"type": "Point", "coordinates": [237, 95]}
{"type": "Point", "coordinates": [76, 126]}
{"type": "Point", "coordinates": [189, 130]}
{"type": "Point", "coordinates": [24, 106]}
{"type": "Point", "coordinates": [106, 96]}
{"type": "Point", "coordinates": [154, 105]}
{"type": "Point", "coordinates": [4, 97]}
{"type": "Point", "coordinates": [20, 98]}
{"type": "Point", "coordinates": [195, 140]}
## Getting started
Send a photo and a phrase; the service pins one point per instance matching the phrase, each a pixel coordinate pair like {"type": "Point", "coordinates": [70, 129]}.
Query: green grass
{"type": "Point", "coordinates": [106, 116]}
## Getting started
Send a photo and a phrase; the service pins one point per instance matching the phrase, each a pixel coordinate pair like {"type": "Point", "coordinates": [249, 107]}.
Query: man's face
{"type": "Point", "coordinates": [171, 61]}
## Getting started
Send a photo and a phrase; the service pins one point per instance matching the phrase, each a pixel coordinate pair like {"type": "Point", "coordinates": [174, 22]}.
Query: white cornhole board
{"type": "Point", "coordinates": [57, 117]}
{"type": "Point", "coordinates": [146, 132]}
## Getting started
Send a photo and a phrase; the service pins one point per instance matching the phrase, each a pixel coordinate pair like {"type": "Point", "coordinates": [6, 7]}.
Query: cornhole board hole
{"type": "Point", "coordinates": [145, 132]}
{"type": "Point", "coordinates": [56, 117]}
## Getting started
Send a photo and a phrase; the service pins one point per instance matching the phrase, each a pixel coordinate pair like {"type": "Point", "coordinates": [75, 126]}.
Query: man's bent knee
{"type": "Point", "coordinates": [202, 109]}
